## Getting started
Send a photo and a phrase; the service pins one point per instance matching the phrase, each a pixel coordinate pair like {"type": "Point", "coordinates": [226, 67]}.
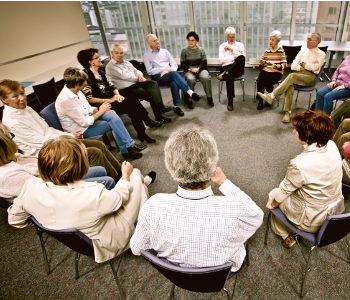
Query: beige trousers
{"type": "Point", "coordinates": [303, 78]}
{"type": "Point", "coordinates": [342, 134]}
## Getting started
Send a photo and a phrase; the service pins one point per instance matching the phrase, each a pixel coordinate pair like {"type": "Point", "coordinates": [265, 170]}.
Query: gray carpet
{"type": "Point", "coordinates": [255, 149]}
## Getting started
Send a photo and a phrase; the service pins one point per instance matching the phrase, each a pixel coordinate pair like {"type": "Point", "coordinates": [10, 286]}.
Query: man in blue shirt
{"type": "Point", "coordinates": [161, 66]}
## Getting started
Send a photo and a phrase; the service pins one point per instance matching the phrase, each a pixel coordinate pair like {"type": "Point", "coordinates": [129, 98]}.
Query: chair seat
{"type": "Point", "coordinates": [239, 78]}
{"type": "Point", "coordinates": [304, 88]}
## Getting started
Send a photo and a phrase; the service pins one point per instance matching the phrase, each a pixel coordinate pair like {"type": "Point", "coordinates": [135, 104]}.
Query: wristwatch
{"type": "Point", "coordinates": [301, 64]}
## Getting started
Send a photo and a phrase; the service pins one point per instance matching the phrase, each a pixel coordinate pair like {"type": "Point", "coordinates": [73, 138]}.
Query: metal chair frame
{"type": "Point", "coordinates": [182, 92]}
{"type": "Point", "coordinates": [85, 245]}
{"type": "Point", "coordinates": [318, 239]}
{"type": "Point", "coordinates": [221, 84]}
{"type": "Point", "coordinates": [255, 87]}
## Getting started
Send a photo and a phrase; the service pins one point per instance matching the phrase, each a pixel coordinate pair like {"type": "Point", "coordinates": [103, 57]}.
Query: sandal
{"type": "Point", "coordinates": [288, 242]}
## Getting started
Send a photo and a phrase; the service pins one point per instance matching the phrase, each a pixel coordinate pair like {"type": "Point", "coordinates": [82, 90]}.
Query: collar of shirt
{"type": "Point", "coordinates": [152, 51]}
{"type": "Point", "coordinates": [117, 63]}
{"type": "Point", "coordinates": [14, 110]}
{"type": "Point", "coordinates": [313, 147]}
{"type": "Point", "coordinates": [70, 94]}
{"type": "Point", "coordinates": [194, 195]}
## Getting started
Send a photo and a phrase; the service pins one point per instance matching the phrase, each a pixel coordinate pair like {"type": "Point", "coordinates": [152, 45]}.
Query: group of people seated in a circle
{"type": "Point", "coordinates": [67, 181]}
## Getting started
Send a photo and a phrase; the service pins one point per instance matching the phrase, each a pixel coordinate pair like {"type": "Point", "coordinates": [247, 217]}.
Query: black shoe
{"type": "Point", "coordinates": [195, 97]}
{"type": "Point", "coordinates": [165, 109]}
{"type": "Point", "coordinates": [144, 137]}
{"type": "Point", "coordinates": [189, 103]}
{"type": "Point", "coordinates": [178, 111]}
{"type": "Point", "coordinates": [210, 101]}
{"type": "Point", "coordinates": [153, 175]}
{"type": "Point", "coordinates": [260, 105]}
{"type": "Point", "coordinates": [134, 155]}
{"type": "Point", "coordinates": [137, 148]}
{"type": "Point", "coordinates": [163, 120]}
{"type": "Point", "coordinates": [151, 123]}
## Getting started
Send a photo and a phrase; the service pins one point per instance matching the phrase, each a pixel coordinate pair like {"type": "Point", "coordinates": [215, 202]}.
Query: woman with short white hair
{"type": "Point", "coordinates": [273, 62]}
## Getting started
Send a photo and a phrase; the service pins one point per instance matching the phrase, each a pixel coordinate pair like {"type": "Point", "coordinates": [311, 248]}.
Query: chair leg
{"type": "Point", "coordinates": [116, 278]}
{"type": "Point", "coordinates": [247, 258]}
{"type": "Point", "coordinates": [172, 292]}
{"type": "Point", "coordinates": [347, 246]}
{"type": "Point", "coordinates": [267, 227]}
{"type": "Point", "coordinates": [296, 100]}
{"type": "Point", "coordinates": [242, 84]}
{"type": "Point", "coordinates": [306, 273]}
{"type": "Point", "coordinates": [227, 294]}
{"type": "Point", "coordinates": [254, 97]}
{"type": "Point", "coordinates": [309, 101]}
{"type": "Point", "coordinates": [221, 84]}
{"type": "Point", "coordinates": [42, 244]}
{"type": "Point", "coordinates": [76, 260]}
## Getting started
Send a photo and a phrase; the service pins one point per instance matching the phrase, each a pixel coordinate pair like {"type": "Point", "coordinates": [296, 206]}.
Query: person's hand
{"type": "Point", "coordinates": [228, 48]}
{"type": "Point", "coordinates": [169, 69]}
{"type": "Point", "coordinates": [78, 134]}
{"type": "Point", "coordinates": [240, 51]}
{"type": "Point", "coordinates": [339, 87]}
{"type": "Point", "coordinates": [141, 78]}
{"type": "Point", "coordinates": [119, 98]}
{"type": "Point", "coordinates": [315, 62]}
{"type": "Point", "coordinates": [331, 84]}
{"type": "Point", "coordinates": [345, 144]}
{"type": "Point", "coordinates": [163, 73]}
{"type": "Point", "coordinates": [104, 107]}
{"type": "Point", "coordinates": [127, 168]}
{"type": "Point", "coordinates": [274, 66]}
{"type": "Point", "coordinates": [302, 68]}
{"type": "Point", "coordinates": [195, 70]}
{"type": "Point", "coordinates": [191, 69]}
{"type": "Point", "coordinates": [218, 177]}
{"type": "Point", "coordinates": [269, 206]}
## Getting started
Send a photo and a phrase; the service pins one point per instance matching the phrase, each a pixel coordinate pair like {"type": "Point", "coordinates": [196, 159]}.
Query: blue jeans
{"type": "Point", "coordinates": [99, 174]}
{"type": "Point", "coordinates": [325, 97]}
{"type": "Point", "coordinates": [111, 121]}
{"type": "Point", "coordinates": [175, 81]}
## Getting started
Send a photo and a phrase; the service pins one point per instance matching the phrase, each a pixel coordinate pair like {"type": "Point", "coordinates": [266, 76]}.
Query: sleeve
{"type": "Point", "coordinates": [222, 53]}
{"type": "Point", "coordinates": [183, 63]}
{"type": "Point", "coordinates": [112, 87]}
{"type": "Point", "coordinates": [141, 238]}
{"type": "Point", "coordinates": [172, 62]}
{"type": "Point", "coordinates": [296, 62]}
{"type": "Point", "coordinates": [111, 201]}
{"type": "Point", "coordinates": [241, 48]}
{"type": "Point", "coordinates": [73, 112]}
{"type": "Point", "coordinates": [263, 57]}
{"type": "Point", "coordinates": [17, 215]}
{"type": "Point", "coordinates": [283, 59]}
{"type": "Point", "coordinates": [316, 67]}
{"type": "Point", "coordinates": [87, 91]}
{"type": "Point", "coordinates": [203, 64]}
{"type": "Point", "coordinates": [149, 66]}
{"type": "Point", "coordinates": [15, 181]}
{"type": "Point", "coordinates": [294, 180]}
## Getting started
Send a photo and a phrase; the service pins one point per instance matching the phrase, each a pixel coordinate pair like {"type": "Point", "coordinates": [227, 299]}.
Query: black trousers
{"type": "Point", "coordinates": [149, 91]}
{"type": "Point", "coordinates": [266, 80]}
{"type": "Point", "coordinates": [233, 70]}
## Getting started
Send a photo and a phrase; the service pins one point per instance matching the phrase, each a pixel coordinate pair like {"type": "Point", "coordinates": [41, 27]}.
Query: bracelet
{"type": "Point", "coordinates": [104, 100]}
{"type": "Point", "coordinates": [272, 205]}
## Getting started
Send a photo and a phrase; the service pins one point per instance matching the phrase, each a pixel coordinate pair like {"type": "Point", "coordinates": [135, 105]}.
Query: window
{"type": "Point", "coordinates": [332, 11]}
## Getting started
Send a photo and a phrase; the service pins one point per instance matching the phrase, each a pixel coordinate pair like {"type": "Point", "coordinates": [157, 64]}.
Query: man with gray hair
{"type": "Point", "coordinates": [192, 227]}
{"type": "Point", "coordinates": [231, 56]}
{"type": "Point", "coordinates": [307, 64]}
{"type": "Point", "coordinates": [131, 83]}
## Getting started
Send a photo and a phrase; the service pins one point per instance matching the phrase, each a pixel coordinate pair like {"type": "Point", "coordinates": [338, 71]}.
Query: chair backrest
{"type": "Point", "coordinates": [334, 228]}
{"type": "Point", "coordinates": [291, 52]}
{"type": "Point", "coordinates": [323, 48]}
{"type": "Point", "coordinates": [46, 92]}
{"type": "Point", "coordinates": [204, 280]}
{"type": "Point", "coordinates": [49, 113]}
{"type": "Point", "coordinates": [319, 74]}
{"type": "Point", "coordinates": [72, 238]}
{"type": "Point", "coordinates": [4, 203]}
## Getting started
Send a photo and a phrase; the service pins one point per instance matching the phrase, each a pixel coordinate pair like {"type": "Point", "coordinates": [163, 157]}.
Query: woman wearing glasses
{"type": "Point", "coordinates": [194, 62]}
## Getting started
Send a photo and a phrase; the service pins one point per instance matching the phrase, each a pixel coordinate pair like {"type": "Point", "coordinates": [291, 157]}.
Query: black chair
{"type": "Point", "coordinates": [49, 114]}
{"type": "Point", "coordinates": [324, 49]}
{"type": "Point", "coordinates": [78, 242]}
{"type": "Point", "coordinates": [4, 203]}
{"type": "Point", "coordinates": [291, 52]}
{"type": "Point", "coordinates": [255, 87]}
{"type": "Point", "coordinates": [239, 78]}
{"type": "Point", "coordinates": [334, 228]}
{"type": "Point", "coordinates": [46, 92]}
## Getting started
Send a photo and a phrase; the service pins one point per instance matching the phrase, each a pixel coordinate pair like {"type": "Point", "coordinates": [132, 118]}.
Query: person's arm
{"type": "Point", "coordinates": [183, 63]}
{"type": "Point", "coordinates": [14, 182]}
{"type": "Point", "coordinates": [141, 237]}
{"type": "Point", "coordinates": [296, 62]}
{"type": "Point", "coordinates": [222, 57]}
{"type": "Point", "coordinates": [283, 60]}
{"type": "Point", "coordinates": [203, 64]}
{"type": "Point", "coordinates": [172, 63]}
{"type": "Point", "coordinates": [316, 65]}
{"type": "Point", "coordinates": [151, 70]}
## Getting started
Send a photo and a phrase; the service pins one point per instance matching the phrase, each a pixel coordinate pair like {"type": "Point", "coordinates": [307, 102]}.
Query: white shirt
{"type": "Point", "coordinates": [227, 57]}
{"type": "Point", "coordinates": [309, 56]}
{"type": "Point", "coordinates": [30, 130]}
{"type": "Point", "coordinates": [196, 228]}
{"type": "Point", "coordinates": [122, 74]}
{"type": "Point", "coordinates": [74, 111]}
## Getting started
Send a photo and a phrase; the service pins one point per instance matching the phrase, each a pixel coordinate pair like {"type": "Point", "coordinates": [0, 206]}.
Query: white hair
{"type": "Point", "coordinates": [148, 36]}
{"type": "Point", "coordinates": [191, 155]}
{"type": "Point", "coordinates": [117, 46]}
{"type": "Point", "coordinates": [230, 30]}
{"type": "Point", "coordinates": [276, 34]}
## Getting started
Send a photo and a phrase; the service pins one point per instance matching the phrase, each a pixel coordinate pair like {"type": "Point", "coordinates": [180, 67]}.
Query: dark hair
{"type": "Point", "coordinates": [314, 127]}
{"type": "Point", "coordinates": [84, 56]}
{"type": "Point", "coordinates": [194, 34]}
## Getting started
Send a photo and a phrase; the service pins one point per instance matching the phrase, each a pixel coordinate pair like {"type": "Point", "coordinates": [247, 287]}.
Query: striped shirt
{"type": "Point", "coordinates": [277, 57]}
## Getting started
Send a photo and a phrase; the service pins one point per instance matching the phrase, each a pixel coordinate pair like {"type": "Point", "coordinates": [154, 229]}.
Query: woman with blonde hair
{"type": "Point", "coordinates": [60, 200]}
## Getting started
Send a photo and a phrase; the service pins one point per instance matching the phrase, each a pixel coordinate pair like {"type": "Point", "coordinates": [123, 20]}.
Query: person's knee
{"type": "Point", "coordinates": [204, 75]}
{"type": "Point", "coordinates": [101, 171]}
{"type": "Point", "coordinates": [109, 182]}
{"type": "Point", "coordinates": [94, 155]}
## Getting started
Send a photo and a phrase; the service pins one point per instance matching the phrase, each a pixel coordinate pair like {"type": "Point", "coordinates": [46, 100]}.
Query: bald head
{"type": "Point", "coordinates": [152, 41]}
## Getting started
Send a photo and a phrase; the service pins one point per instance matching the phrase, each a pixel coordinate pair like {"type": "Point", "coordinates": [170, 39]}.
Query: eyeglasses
{"type": "Point", "coordinates": [11, 135]}
{"type": "Point", "coordinates": [310, 40]}
{"type": "Point", "coordinates": [192, 40]}
{"type": "Point", "coordinates": [97, 57]}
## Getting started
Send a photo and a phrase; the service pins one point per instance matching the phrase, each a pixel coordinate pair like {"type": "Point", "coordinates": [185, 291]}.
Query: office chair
{"type": "Point", "coordinates": [334, 228]}
{"type": "Point", "coordinates": [45, 92]}
{"type": "Point", "coordinates": [291, 52]}
{"type": "Point", "coordinates": [240, 79]}
{"type": "Point", "coordinates": [324, 49]}
{"type": "Point", "coordinates": [78, 242]}
{"type": "Point", "coordinates": [255, 87]}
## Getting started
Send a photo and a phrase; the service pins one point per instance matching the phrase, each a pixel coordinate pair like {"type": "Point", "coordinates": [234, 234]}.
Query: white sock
{"type": "Point", "coordinates": [272, 96]}
{"type": "Point", "coordinates": [147, 180]}
{"type": "Point", "coordinates": [190, 92]}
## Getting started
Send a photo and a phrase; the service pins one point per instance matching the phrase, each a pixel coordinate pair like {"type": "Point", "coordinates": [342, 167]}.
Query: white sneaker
{"type": "Point", "coordinates": [287, 116]}
{"type": "Point", "coordinates": [267, 97]}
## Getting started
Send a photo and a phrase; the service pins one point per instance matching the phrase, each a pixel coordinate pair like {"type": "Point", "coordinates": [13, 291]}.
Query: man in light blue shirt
{"type": "Point", "coordinates": [161, 66]}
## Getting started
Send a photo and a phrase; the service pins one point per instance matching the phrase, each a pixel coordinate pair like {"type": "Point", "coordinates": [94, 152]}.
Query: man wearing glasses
{"type": "Point", "coordinates": [307, 64]}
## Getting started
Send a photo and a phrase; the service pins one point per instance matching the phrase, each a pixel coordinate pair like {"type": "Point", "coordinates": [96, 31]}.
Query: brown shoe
{"type": "Point", "coordinates": [288, 242]}
{"type": "Point", "coordinates": [230, 104]}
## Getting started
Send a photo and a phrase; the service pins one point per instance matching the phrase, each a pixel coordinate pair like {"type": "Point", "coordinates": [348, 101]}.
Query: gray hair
{"type": "Point", "coordinates": [116, 46]}
{"type": "Point", "coordinates": [191, 156]}
{"type": "Point", "coordinates": [74, 76]}
{"type": "Point", "coordinates": [148, 36]}
{"type": "Point", "coordinates": [318, 36]}
{"type": "Point", "coordinates": [276, 34]}
{"type": "Point", "coordinates": [230, 30]}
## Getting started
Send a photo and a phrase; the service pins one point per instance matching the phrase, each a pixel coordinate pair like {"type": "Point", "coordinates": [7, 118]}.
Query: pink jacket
{"type": "Point", "coordinates": [342, 73]}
